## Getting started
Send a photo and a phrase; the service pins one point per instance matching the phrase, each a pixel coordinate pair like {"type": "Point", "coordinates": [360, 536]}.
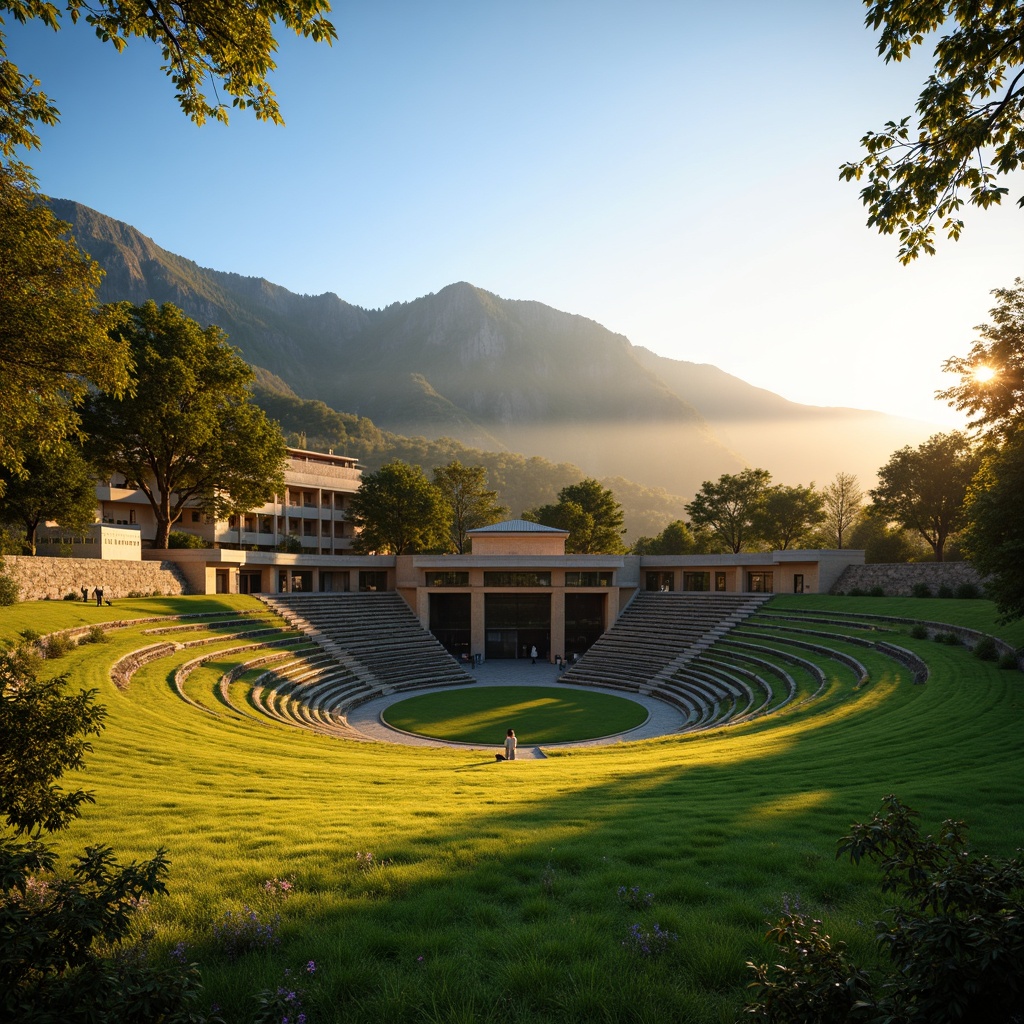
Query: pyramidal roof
{"type": "Point", "coordinates": [517, 526]}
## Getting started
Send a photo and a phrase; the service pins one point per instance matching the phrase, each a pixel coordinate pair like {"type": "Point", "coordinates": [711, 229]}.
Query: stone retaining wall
{"type": "Point", "coordinates": [899, 580]}
{"type": "Point", "coordinates": [39, 577]}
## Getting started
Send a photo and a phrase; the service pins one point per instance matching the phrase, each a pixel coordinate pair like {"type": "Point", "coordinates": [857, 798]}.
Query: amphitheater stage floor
{"type": "Point", "coordinates": [662, 718]}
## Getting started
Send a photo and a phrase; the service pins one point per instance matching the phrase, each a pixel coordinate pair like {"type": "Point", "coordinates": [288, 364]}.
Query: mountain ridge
{"type": "Point", "coordinates": [501, 374]}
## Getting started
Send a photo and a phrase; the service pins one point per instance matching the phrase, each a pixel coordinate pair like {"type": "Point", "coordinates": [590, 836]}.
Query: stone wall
{"type": "Point", "coordinates": [899, 580]}
{"type": "Point", "coordinates": [39, 578]}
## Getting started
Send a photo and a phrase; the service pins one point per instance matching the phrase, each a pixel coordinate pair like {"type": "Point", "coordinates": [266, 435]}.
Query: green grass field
{"type": "Point", "coordinates": [431, 886]}
{"type": "Point", "coordinates": [541, 716]}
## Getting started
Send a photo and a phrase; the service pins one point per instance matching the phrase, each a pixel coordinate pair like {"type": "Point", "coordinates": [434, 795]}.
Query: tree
{"type": "Point", "coordinates": [399, 511]}
{"type": "Point", "coordinates": [675, 539]}
{"type": "Point", "coordinates": [229, 44]}
{"type": "Point", "coordinates": [590, 513]}
{"type": "Point", "coordinates": [843, 501]}
{"type": "Point", "coordinates": [785, 515]}
{"type": "Point", "coordinates": [970, 119]}
{"type": "Point", "coordinates": [58, 485]}
{"type": "Point", "coordinates": [188, 433]}
{"type": "Point", "coordinates": [883, 543]}
{"type": "Point", "coordinates": [991, 388]}
{"type": "Point", "coordinates": [729, 507]}
{"type": "Point", "coordinates": [994, 535]}
{"type": "Point", "coordinates": [924, 488]}
{"type": "Point", "coordinates": [54, 341]}
{"type": "Point", "coordinates": [51, 933]}
{"type": "Point", "coordinates": [470, 504]}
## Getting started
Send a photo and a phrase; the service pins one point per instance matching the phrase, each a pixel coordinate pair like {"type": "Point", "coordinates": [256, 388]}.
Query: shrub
{"type": "Point", "coordinates": [986, 649]}
{"type": "Point", "coordinates": [56, 645]}
{"type": "Point", "coordinates": [876, 591]}
{"type": "Point", "coordinates": [290, 545]}
{"type": "Point", "coordinates": [183, 539]}
{"type": "Point", "coordinates": [8, 588]}
{"type": "Point", "coordinates": [71, 596]}
{"type": "Point", "coordinates": [857, 592]}
{"type": "Point", "coordinates": [954, 938]}
{"type": "Point", "coordinates": [95, 635]}
{"type": "Point", "coordinates": [921, 590]}
{"type": "Point", "coordinates": [919, 631]}
{"type": "Point", "coordinates": [968, 592]}
{"type": "Point", "coordinates": [945, 637]}
{"type": "Point", "coordinates": [1008, 661]}
{"type": "Point", "coordinates": [945, 591]}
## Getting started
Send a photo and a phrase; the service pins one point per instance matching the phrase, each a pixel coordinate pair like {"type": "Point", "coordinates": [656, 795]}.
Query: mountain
{"type": "Point", "coordinates": [501, 374]}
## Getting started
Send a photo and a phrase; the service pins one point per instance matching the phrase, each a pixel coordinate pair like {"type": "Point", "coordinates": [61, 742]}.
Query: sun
{"type": "Point", "coordinates": [983, 374]}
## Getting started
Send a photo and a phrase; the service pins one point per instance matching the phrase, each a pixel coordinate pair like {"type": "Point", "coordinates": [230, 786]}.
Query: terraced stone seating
{"type": "Point", "coordinates": [374, 636]}
{"type": "Point", "coordinates": [656, 635]}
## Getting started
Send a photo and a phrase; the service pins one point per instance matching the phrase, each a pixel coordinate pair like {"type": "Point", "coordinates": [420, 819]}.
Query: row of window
{"type": "Point", "coordinates": [460, 578]}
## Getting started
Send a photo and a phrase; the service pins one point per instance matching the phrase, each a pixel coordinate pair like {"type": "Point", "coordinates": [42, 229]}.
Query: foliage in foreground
{"type": "Point", "coordinates": [61, 958]}
{"type": "Point", "coordinates": [954, 939]}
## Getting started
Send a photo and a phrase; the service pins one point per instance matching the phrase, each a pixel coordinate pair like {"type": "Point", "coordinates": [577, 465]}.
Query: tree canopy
{"type": "Point", "coordinates": [399, 511]}
{"type": "Point", "coordinates": [729, 506]}
{"type": "Point", "coordinates": [590, 513]}
{"type": "Point", "coordinates": [991, 388]}
{"type": "Point", "coordinates": [994, 535]}
{"type": "Point", "coordinates": [227, 45]}
{"type": "Point", "coordinates": [187, 434]}
{"type": "Point", "coordinates": [54, 340]}
{"type": "Point", "coordinates": [786, 515]}
{"type": "Point", "coordinates": [968, 133]}
{"type": "Point", "coordinates": [470, 504]}
{"type": "Point", "coordinates": [923, 489]}
{"type": "Point", "coordinates": [58, 484]}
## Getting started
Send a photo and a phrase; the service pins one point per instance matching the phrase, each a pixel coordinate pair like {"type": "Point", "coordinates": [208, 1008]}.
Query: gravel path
{"type": "Point", "coordinates": [662, 718]}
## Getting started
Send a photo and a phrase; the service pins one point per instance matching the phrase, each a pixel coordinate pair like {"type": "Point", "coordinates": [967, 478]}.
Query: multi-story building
{"type": "Point", "coordinates": [310, 517]}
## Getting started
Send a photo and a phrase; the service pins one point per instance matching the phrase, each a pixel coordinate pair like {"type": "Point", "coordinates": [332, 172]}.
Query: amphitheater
{"type": "Point", "coordinates": [330, 663]}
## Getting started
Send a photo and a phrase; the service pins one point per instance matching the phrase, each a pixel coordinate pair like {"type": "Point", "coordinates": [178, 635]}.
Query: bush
{"type": "Point", "coordinates": [71, 596]}
{"type": "Point", "coordinates": [954, 938]}
{"type": "Point", "coordinates": [56, 645]}
{"type": "Point", "coordinates": [96, 635]}
{"type": "Point", "coordinates": [876, 591]}
{"type": "Point", "coordinates": [950, 639]}
{"type": "Point", "coordinates": [857, 592]}
{"type": "Point", "coordinates": [919, 631]}
{"type": "Point", "coordinates": [182, 539]}
{"type": "Point", "coordinates": [945, 591]}
{"type": "Point", "coordinates": [290, 545]}
{"type": "Point", "coordinates": [968, 592]}
{"type": "Point", "coordinates": [921, 590]}
{"type": "Point", "coordinates": [8, 588]}
{"type": "Point", "coordinates": [986, 649]}
{"type": "Point", "coordinates": [1008, 661]}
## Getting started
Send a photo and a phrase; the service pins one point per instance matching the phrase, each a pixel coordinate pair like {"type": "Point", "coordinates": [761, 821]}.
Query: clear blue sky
{"type": "Point", "coordinates": [669, 169]}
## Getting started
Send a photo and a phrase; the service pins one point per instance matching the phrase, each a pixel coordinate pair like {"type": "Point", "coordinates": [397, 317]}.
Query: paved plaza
{"type": "Point", "coordinates": [662, 718]}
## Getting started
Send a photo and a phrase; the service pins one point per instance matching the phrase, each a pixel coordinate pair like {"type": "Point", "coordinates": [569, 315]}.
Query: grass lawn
{"type": "Point", "coordinates": [538, 714]}
{"type": "Point", "coordinates": [432, 887]}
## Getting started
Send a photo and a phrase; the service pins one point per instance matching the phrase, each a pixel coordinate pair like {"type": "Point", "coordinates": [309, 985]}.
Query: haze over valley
{"type": "Point", "coordinates": [500, 375]}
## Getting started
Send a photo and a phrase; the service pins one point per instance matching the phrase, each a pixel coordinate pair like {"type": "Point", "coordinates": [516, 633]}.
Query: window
{"type": "Point", "coordinates": [798, 583]}
{"type": "Point", "coordinates": [447, 579]}
{"type": "Point", "coordinates": [372, 580]}
{"type": "Point", "coordinates": [517, 579]}
{"type": "Point", "coordinates": [196, 517]}
{"type": "Point", "coordinates": [759, 582]}
{"type": "Point", "coordinates": [588, 579]}
{"type": "Point", "coordinates": [696, 581]}
{"type": "Point", "coordinates": [661, 581]}
{"type": "Point", "coordinates": [720, 581]}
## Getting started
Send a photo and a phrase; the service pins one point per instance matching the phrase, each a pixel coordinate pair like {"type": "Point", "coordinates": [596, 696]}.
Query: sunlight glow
{"type": "Point", "coordinates": [984, 374]}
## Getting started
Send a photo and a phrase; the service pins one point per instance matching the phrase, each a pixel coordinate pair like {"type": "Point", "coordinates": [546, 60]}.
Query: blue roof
{"type": "Point", "coordinates": [517, 526]}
